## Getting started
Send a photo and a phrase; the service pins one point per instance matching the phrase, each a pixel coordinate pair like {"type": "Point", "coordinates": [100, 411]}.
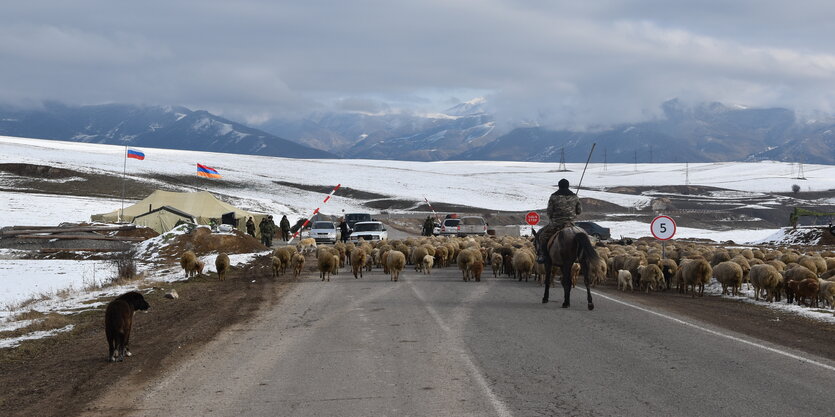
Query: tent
{"type": "Point", "coordinates": [201, 205]}
{"type": "Point", "coordinates": [163, 219]}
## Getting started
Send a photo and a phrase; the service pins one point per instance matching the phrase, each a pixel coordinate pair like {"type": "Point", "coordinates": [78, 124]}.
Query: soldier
{"type": "Point", "coordinates": [264, 227]}
{"type": "Point", "coordinates": [428, 225]}
{"type": "Point", "coordinates": [563, 207]}
{"type": "Point", "coordinates": [250, 227]}
{"type": "Point", "coordinates": [284, 226]}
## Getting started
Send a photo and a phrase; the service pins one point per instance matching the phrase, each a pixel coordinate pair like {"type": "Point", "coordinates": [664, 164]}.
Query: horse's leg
{"type": "Point", "coordinates": [586, 279]}
{"type": "Point", "coordinates": [566, 283]}
{"type": "Point", "coordinates": [547, 281]}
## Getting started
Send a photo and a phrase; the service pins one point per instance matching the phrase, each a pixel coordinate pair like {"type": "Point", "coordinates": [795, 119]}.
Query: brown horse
{"type": "Point", "coordinates": [569, 245]}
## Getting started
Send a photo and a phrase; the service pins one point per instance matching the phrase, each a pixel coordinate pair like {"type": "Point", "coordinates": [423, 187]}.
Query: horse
{"type": "Point", "coordinates": [569, 245]}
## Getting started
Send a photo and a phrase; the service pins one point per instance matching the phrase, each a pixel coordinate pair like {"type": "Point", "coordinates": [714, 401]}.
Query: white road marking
{"type": "Point", "coordinates": [720, 334]}
{"type": "Point", "coordinates": [498, 405]}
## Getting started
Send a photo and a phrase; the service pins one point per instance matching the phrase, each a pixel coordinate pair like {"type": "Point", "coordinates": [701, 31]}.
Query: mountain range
{"type": "Point", "coordinates": [708, 132]}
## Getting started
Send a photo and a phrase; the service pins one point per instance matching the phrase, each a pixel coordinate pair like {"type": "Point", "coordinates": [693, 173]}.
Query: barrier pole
{"type": "Point", "coordinates": [315, 212]}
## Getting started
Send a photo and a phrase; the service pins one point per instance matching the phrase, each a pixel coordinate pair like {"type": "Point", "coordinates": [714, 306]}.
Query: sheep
{"type": "Point", "coordinates": [795, 273]}
{"type": "Point", "coordinates": [668, 269]}
{"type": "Point", "coordinates": [335, 270]}
{"type": "Point", "coordinates": [624, 280]}
{"type": "Point", "coordinates": [598, 271]}
{"type": "Point", "coordinates": [475, 271]}
{"type": "Point", "coordinates": [650, 277]}
{"type": "Point", "coordinates": [326, 262]}
{"type": "Point", "coordinates": [298, 264]}
{"type": "Point", "coordinates": [806, 288]}
{"type": "Point", "coordinates": [465, 261]}
{"type": "Point", "coordinates": [307, 245]}
{"type": "Point", "coordinates": [765, 277]}
{"type": "Point", "coordinates": [395, 262]}
{"type": "Point", "coordinates": [358, 260]}
{"type": "Point", "coordinates": [826, 291]}
{"type": "Point", "coordinates": [746, 268]}
{"type": "Point", "coordinates": [718, 257]}
{"type": "Point", "coordinates": [441, 256]}
{"type": "Point", "coordinates": [191, 264]}
{"type": "Point", "coordinates": [728, 273]}
{"type": "Point", "coordinates": [428, 261]}
{"type": "Point", "coordinates": [222, 265]}
{"type": "Point", "coordinates": [575, 271]}
{"type": "Point", "coordinates": [276, 264]}
{"type": "Point", "coordinates": [417, 257]}
{"type": "Point", "coordinates": [523, 262]}
{"type": "Point", "coordinates": [496, 262]}
{"type": "Point", "coordinates": [696, 272]}
{"type": "Point", "coordinates": [284, 253]}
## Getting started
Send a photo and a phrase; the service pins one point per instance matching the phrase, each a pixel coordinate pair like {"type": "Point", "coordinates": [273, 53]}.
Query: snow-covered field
{"type": "Point", "coordinates": [249, 180]}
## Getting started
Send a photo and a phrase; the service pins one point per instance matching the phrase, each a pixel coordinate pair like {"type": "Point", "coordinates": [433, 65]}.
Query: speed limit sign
{"type": "Point", "coordinates": [663, 227]}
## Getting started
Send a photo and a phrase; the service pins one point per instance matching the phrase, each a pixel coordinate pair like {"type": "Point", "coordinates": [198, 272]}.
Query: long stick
{"type": "Point", "coordinates": [124, 172]}
{"type": "Point", "coordinates": [584, 168]}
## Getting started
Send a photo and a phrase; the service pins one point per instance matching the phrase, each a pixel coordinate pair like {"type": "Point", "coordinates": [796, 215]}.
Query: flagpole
{"type": "Point", "coordinates": [124, 173]}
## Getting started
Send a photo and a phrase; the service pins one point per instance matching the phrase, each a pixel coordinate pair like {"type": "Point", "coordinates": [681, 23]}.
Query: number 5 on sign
{"type": "Point", "coordinates": [663, 228]}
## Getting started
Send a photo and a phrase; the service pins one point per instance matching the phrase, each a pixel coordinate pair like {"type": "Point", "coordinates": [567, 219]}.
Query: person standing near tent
{"type": "Point", "coordinates": [267, 229]}
{"type": "Point", "coordinates": [250, 227]}
{"type": "Point", "coordinates": [284, 226]}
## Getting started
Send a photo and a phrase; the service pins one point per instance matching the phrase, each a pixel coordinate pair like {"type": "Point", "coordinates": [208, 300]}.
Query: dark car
{"type": "Point", "coordinates": [595, 230]}
{"type": "Point", "coordinates": [352, 218]}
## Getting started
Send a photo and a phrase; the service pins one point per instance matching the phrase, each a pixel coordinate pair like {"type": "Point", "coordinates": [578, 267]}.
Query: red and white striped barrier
{"type": "Point", "coordinates": [315, 212]}
{"type": "Point", "coordinates": [430, 208]}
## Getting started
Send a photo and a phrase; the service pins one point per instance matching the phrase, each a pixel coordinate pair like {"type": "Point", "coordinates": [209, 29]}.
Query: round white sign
{"type": "Point", "coordinates": [663, 228]}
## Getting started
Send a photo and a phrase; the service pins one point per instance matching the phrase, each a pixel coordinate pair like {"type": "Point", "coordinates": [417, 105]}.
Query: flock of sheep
{"type": "Point", "coordinates": [805, 278]}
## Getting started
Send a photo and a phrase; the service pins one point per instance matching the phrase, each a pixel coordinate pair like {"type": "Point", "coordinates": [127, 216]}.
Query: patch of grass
{"type": "Point", "coordinates": [48, 322]}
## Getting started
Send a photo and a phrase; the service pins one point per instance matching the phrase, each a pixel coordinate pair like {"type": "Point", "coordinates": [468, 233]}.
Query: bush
{"type": "Point", "coordinates": [125, 263]}
{"type": "Point", "coordinates": [795, 188]}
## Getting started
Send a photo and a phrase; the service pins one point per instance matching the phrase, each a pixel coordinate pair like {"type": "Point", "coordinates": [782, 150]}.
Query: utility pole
{"type": "Point", "coordinates": [650, 153]}
{"type": "Point", "coordinates": [605, 168]}
{"type": "Point", "coordinates": [562, 160]}
{"type": "Point", "coordinates": [636, 160]}
{"type": "Point", "coordinates": [686, 173]}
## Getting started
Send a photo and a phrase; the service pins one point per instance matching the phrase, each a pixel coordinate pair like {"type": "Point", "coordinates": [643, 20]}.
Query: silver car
{"type": "Point", "coordinates": [323, 232]}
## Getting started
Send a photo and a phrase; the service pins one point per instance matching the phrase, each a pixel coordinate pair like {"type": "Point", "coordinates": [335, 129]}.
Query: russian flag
{"type": "Point", "coordinates": [133, 153]}
{"type": "Point", "coordinates": [207, 172]}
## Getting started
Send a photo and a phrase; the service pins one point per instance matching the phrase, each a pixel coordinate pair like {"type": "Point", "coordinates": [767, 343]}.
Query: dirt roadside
{"type": "Point", "coordinates": [60, 376]}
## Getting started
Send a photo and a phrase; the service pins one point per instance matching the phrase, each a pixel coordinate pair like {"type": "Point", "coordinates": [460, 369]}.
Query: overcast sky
{"type": "Point", "coordinates": [568, 63]}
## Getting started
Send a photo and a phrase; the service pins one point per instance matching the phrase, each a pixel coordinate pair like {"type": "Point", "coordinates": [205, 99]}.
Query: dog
{"type": "Point", "coordinates": [118, 320]}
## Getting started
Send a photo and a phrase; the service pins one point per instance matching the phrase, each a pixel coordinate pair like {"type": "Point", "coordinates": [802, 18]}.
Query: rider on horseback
{"type": "Point", "coordinates": [563, 207]}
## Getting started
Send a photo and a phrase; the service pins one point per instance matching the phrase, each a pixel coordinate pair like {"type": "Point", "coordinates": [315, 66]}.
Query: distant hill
{"type": "Point", "coordinates": [151, 126]}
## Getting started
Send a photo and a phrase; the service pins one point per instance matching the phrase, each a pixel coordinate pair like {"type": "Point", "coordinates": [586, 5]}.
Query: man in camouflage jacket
{"type": "Point", "coordinates": [563, 207]}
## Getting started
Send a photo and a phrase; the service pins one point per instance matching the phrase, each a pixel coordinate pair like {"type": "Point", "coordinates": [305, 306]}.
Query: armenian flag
{"type": "Point", "coordinates": [133, 153]}
{"type": "Point", "coordinates": [207, 172]}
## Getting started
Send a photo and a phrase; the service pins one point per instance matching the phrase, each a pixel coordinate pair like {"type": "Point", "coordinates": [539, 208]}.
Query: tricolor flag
{"type": "Point", "coordinates": [133, 153]}
{"type": "Point", "coordinates": [207, 172]}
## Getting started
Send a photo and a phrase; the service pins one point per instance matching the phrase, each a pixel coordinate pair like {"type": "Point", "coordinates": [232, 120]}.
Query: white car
{"type": "Point", "coordinates": [369, 231]}
{"type": "Point", "coordinates": [323, 232]}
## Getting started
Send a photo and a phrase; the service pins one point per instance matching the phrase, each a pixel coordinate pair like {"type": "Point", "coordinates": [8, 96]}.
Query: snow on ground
{"type": "Point", "coordinates": [249, 182]}
{"type": "Point", "coordinates": [747, 295]}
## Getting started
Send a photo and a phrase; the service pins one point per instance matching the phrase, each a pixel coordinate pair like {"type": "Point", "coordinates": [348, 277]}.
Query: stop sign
{"type": "Point", "coordinates": [532, 218]}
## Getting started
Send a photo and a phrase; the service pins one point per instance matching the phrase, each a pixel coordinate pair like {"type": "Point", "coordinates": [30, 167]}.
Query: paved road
{"type": "Point", "coordinates": [437, 346]}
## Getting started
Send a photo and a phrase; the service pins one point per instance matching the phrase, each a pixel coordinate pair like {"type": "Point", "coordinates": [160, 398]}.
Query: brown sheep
{"type": "Point", "coordinates": [650, 277]}
{"type": "Point", "coordinates": [358, 260]}
{"type": "Point", "coordinates": [276, 264]}
{"type": "Point", "coordinates": [496, 262]}
{"type": "Point", "coordinates": [696, 272]}
{"type": "Point", "coordinates": [465, 261]}
{"type": "Point", "coordinates": [395, 262]}
{"type": "Point", "coordinates": [298, 264]}
{"type": "Point", "coordinates": [795, 273]}
{"type": "Point", "coordinates": [118, 321]}
{"type": "Point", "coordinates": [806, 288]}
{"type": "Point", "coordinates": [765, 277]}
{"type": "Point", "coordinates": [222, 265]}
{"type": "Point", "coordinates": [191, 265]}
{"type": "Point", "coordinates": [284, 253]}
{"type": "Point", "coordinates": [475, 271]}
{"type": "Point", "coordinates": [326, 263]}
{"type": "Point", "coordinates": [729, 273]}
{"type": "Point", "coordinates": [523, 262]}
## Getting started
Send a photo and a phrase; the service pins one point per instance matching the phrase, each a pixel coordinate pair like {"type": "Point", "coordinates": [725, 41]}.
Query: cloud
{"type": "Point", "coordinates": [558, 63]}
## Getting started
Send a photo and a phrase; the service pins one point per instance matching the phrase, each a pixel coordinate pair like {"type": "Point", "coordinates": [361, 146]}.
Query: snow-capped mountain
{"type": "Point", "coordinates": [152, 126]}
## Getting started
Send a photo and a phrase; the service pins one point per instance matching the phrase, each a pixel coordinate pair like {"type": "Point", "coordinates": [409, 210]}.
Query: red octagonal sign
{"type": "Point", "coordinates": [532, 218]}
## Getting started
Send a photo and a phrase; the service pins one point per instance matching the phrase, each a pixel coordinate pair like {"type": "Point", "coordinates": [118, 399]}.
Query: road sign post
{"type": "Point", "coordinates": [663, 228]}
{"type": "Point", "coordinates": [532, 218]}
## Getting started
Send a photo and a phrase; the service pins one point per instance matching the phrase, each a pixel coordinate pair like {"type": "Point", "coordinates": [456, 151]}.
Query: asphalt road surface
{"type": "Point", "coordinates": [433, 345]}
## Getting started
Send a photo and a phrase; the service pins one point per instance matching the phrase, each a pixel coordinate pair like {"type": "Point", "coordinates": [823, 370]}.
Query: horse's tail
{"type": "Point", "coordinates": [585, 250]}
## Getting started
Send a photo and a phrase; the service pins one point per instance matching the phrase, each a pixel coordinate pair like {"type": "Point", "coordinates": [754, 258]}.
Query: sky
{"type": "Point", "coordinates": [553, 62]}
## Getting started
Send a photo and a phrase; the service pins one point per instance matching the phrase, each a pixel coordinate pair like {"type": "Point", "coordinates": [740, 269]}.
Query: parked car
{"type": "Point", "coordinates": [369, 231]}
{"type": "Point", "coordinates": [450, 227]}
{"type": "Point", "coordinates": [595, 230]}
{"type": "Point", "coordinates": [472, 225]}
{"type": "Point", "coordinates": [436, 229]}
{"type": "Point", "coordinates": [323, 231]}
